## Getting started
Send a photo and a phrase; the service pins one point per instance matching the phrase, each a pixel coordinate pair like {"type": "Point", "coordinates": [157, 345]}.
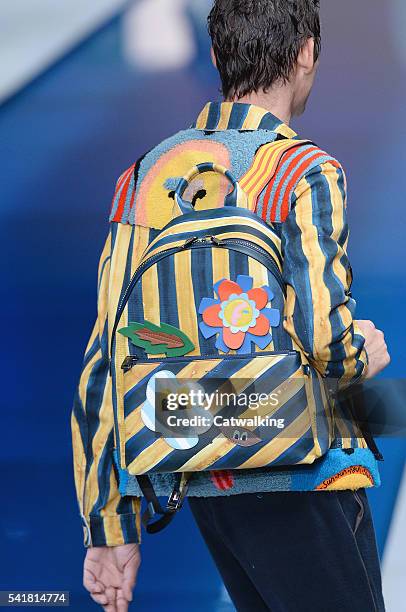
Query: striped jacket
{"type": "Point", "coordinates": [301, 190]}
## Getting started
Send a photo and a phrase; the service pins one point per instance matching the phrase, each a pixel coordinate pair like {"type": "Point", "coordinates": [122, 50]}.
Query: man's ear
{"type": "Point", "coordinates": [305, 58]}
{"type": "Point", "coordinates": [213, 57]}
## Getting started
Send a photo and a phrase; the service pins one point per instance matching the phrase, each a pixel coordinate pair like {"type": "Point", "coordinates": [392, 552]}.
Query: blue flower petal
{"type": "Point", "coordinates": [261, 341]}
{"type": "Point", "coordinates": [273, 315]}
{"type": "Point", "coordinates": [206, 303]}
{"type": "Point", "coordinates": [207, 331]}
{"type": "Point", "coordinates": [245, 282]}
{"type": "Point", "coordinates": [269, 292]}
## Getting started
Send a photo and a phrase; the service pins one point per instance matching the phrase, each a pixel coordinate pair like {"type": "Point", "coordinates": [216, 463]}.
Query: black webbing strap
{"type": "Point", "coordinates": [353, 398]}
{"type": "Point", "coordinates": [154, 507]}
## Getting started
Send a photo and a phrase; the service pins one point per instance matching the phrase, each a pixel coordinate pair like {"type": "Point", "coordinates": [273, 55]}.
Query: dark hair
{"type": "Point", "coordinates": [257, 42]}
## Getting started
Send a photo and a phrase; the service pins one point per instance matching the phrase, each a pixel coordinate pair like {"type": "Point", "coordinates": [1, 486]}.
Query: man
{"type": "Point", "coordinates": [278, 543]}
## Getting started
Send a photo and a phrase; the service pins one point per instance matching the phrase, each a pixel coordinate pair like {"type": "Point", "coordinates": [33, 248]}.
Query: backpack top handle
{"type": "Point", "coordinates": [236, 197]}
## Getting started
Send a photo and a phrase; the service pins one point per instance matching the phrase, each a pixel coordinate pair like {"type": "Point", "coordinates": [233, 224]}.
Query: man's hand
{"type": "Point", "coordinates": [110, 575]}
{"type": "Point", "coordinates": [375, 346]}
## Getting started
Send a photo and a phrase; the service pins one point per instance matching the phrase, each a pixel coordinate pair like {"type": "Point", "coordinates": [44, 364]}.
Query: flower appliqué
{"type": "Point", "coordinates": [240, 316]}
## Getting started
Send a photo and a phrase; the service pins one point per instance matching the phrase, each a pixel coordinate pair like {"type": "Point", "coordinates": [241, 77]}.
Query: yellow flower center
{"type": "Point", "coordinates": [238, 313]}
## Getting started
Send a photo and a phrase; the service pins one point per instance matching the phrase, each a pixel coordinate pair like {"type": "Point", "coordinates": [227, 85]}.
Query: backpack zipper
{"type": "Point", "coordinates": [251, 246]}
{"type": "Point", "coordinates": [132, 360]}
{"type": "Point", "coordinates": [192, 243]}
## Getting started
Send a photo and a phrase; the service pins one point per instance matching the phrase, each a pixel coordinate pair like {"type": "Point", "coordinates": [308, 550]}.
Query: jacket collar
{"type": "Point", "coordinates": [219, 116]}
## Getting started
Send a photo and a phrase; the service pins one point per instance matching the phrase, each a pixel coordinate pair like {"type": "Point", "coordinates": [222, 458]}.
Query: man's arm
{"type": "Point", "coordinates": [320, 310]}
{"type": "Point", "coordinates": [108, 519]}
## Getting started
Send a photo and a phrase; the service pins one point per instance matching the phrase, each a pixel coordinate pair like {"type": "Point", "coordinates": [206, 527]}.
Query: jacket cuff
{"type": "Point", "coordinates": [364, 355]}
{"type": "Point", "coordinates": [364, 358]}
{"type": "Point", "coordinates": [111, 530]}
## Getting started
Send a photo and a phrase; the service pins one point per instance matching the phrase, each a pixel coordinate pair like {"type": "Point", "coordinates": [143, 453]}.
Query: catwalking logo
{"type": "Point", "coordinates": [220, 421]}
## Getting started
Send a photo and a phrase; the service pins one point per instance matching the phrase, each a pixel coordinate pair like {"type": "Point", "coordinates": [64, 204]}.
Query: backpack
{"type": "Point", "coordinates": [202, 377]}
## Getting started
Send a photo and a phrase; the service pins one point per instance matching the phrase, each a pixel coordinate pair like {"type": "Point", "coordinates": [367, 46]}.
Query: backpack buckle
{"type": "Point", "coordinates": [175, 501]}
{"type": "Point", "coordinates": [178, 494]}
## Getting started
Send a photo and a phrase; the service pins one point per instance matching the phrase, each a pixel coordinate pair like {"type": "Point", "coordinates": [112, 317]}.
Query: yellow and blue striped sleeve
{"type": "Point", "coordinates": [320, 309]}
{"type": "Point", "coordinates": [108, 519]}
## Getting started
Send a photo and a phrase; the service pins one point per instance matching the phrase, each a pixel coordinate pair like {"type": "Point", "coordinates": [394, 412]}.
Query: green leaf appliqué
{"type": "Point", "coordinates": [157, 339]}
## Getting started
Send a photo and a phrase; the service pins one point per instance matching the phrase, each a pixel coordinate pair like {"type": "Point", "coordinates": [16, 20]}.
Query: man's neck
{"type": "Point", "coordinates": [278, 102]}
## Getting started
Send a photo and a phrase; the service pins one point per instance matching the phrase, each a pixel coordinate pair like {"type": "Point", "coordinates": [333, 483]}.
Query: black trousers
{"type": "Point", "coordinates": [294, 552]}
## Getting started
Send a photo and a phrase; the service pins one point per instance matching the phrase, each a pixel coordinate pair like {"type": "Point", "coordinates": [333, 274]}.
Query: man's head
{"type": "Point", "coordinates": [260, 45]}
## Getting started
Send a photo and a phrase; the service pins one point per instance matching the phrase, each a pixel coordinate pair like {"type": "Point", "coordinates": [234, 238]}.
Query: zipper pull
{"type": "Point", "coordinates": [129, 363]}
{"type": "Point", "coordinates": [217, 241]}
{"type": "Point", "coordinates": [189, 242]}
{"type": "Point", "coordinates": [203, 240]}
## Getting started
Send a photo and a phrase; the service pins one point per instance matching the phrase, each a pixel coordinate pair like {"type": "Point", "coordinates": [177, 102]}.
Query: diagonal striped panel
{"type": "Point", "coordinates": [145, 452]}
{"type": "Point", "coordinates": [201, 370]}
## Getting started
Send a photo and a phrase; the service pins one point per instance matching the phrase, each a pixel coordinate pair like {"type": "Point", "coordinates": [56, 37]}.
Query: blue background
{"type": "Point", "coordinates": [65, 139]}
